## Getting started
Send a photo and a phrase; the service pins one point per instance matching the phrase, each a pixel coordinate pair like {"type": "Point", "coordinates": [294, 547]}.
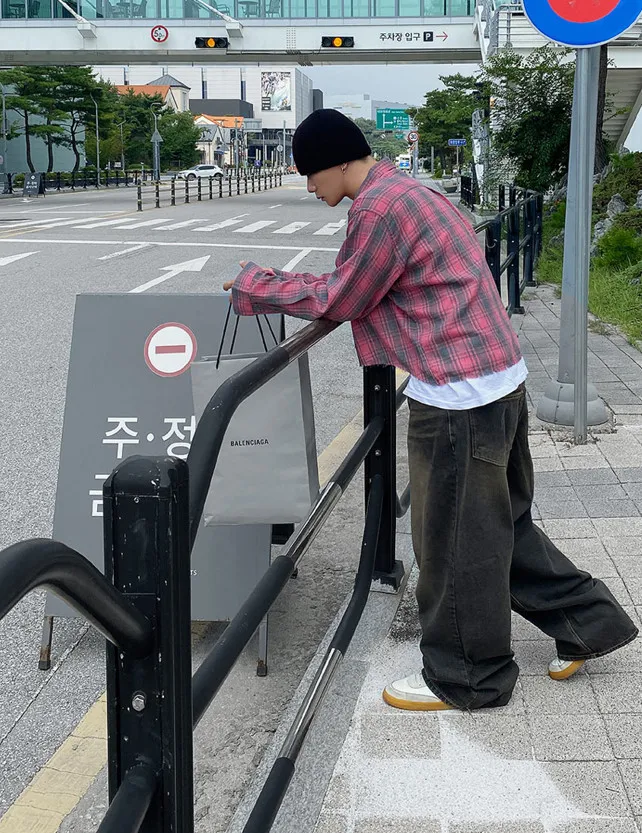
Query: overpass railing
{"type": "Point", "coordinates": [152, 512]}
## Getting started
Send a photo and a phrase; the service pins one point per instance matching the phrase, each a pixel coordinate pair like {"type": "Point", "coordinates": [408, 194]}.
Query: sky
{"type": "Point", "coordinates": [407, 84]}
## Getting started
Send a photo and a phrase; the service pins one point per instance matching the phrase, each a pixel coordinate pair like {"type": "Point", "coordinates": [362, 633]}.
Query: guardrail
{"type": "Point", "coordinates": [515, 231]}
{"type": "Point", "coordinates": [183, 191]}
{"type": "Point", "coordinates": [152, 510]}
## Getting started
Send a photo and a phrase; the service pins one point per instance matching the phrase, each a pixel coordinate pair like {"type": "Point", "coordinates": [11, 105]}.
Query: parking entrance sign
{"type": "Point", "coordinates": [582, 23]}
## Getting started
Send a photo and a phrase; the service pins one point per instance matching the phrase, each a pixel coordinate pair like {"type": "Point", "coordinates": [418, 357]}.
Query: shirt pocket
{"type": "Point", "coordinates": [493, 428]}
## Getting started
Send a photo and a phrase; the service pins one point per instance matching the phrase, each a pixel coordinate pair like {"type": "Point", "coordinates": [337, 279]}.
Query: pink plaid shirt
{"type": "Point", "coordinates": [410, 276]}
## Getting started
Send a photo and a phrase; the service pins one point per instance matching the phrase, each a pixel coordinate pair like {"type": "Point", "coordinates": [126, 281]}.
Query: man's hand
{"type": "Point", "coordinates": [229, 284]}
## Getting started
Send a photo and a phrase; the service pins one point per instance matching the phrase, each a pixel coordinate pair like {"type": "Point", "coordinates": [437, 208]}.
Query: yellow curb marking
{"type": "Point", "coordinates": [58, 787]}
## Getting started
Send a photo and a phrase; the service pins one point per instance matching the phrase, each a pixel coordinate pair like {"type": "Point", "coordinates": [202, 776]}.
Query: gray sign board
{"type": "Point", "coordinates": [129, 392]}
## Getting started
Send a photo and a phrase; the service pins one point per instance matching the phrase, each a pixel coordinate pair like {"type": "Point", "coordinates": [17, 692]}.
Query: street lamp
{"type": "Point", "coordinates": [4, 130]}
{"type": "Point", "coordinates": [122, 146]}
{"type": "Point", "coordinates": [156, 140]}
{"type": "Point", "coordinates": [91, 95]}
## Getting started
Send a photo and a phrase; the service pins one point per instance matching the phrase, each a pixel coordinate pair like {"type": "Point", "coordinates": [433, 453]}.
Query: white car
{"type": "Point", "coordinates": [201, 172]}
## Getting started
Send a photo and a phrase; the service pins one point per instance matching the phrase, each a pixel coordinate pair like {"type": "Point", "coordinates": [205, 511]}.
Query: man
{"type": "Point", "coordinates": [412, 279]}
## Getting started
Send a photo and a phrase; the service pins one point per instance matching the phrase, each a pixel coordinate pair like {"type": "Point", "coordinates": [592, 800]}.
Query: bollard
{"type": "Point", "coordinates": [84, 180]}
{"type": "Point", "coordinates": [229, 185]}
{"type": "Point", "coordinates": [259, 178]}
{"type": "Point", "coordinates": [149, 714]}
{"type": "Point", "coordinates": [186, 191]}
{"type": "Point", "coordinates": [514, 299]}
{"type": "Point", "coordinates": [494, 251]}
{"type": "Point", "coordinates": [238, 184]}
{"type": "Point", "coordinates": [502, 198]}
{"type": "Point", "coordinates": [199, 191]}
{"type": "Point", "coordinates": [252, 181]}
{"type": "Point", "coordinates": [157, 189]}
{"type": "Point", "coordinates": [140, 197]}
{"type": "Point", "coordinates": [73, 181]}
{"type": "Point", "coordinates": [173, 191]}
{"type": "Point", "coordinates": [58, 181]}
{"type": "Point", "coordinates": [245, 180]}
{"type": "Point", "coordinates": [220, 187]}
{"type": "Point", "coordinates": [211, 186]}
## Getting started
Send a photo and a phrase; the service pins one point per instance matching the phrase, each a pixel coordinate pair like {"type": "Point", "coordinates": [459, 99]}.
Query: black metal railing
{"type": "Point", "coordinates": [177, 191]}
{"type": "Point", "coordinates": [152, 511]}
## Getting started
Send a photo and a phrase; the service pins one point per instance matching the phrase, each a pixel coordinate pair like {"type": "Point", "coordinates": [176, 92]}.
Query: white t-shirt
{"type": "Point", "coordinates": [469, 393]}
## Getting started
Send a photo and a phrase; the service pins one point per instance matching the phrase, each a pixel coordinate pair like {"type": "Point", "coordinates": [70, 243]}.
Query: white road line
{"type": "Point", "coordinates": [145, 223]}
{"type": "Point", "coordinates": [331, 228]}
{"type": "Point", "coordinates": [182, 224]}
{"type": "Point", "coordinates": [176, 244]}
{"type": "Point", "coordinates": [255, 227]}
{"type": "Point", "coordinates": [278, 205]}
{"type": "Point", "coordinates": [25, 223]}
{"type": "Point", "coordinates": [102, 223]}
{"type": "Point", "coordinates": [289, 266]}
{"type": "Point", "coordinates": [126, 251]}
{"type": "Point", "coordinates": [233, 221]}
{"type": "Point", "coordinates": [45, 224]}
{"type": "Point", "coordinates": [304, 198]}
{"type": "Point", "coordinates": [290, 228]}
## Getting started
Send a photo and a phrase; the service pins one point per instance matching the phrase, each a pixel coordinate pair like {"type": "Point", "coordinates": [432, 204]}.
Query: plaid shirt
{"type": "Point", "coordinates": [410, 276]}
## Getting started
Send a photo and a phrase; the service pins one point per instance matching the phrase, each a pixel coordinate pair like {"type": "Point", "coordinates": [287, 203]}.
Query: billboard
{"type": "Point", "coordinates": [276, 91]}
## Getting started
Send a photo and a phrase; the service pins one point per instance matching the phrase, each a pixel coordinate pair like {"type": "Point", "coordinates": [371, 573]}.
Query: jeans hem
{"type": "Point", "coordinates": [596, 654]}
{"type": "Point", "coordinates": [434, 686]}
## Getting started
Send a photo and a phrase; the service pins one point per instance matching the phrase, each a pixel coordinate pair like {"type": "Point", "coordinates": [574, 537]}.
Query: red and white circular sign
{"type": "Point", "coordinates": [170, 349]}
{"type": "Point", "coordinates": [160, 34]}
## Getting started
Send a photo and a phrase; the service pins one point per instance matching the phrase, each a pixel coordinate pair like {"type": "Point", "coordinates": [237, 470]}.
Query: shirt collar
{"type": "Point", "coordinates": [379, 171]}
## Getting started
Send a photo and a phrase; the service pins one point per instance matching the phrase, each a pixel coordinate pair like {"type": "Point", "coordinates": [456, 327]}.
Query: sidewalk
{"type": "Point", "coordinates": [563, 757]}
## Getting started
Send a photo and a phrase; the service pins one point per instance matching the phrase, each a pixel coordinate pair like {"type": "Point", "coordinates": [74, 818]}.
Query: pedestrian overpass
{"type": "Point", "coordinates": [500, 24]}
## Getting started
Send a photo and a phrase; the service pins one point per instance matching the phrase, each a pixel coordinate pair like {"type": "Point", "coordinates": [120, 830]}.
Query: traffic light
{"type": "Point", "coordinates": [335, 42]}
{"type": "Point", "coordinates": [211, 43]}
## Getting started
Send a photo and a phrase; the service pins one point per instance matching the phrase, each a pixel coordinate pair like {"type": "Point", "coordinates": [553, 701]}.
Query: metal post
{"type": "Point", "coordinates": [245, 180]}
{"type": "Point", "coordinates": [122, 146]}
{"type": "Point", "coordinates": [229, 184]}
{"type": "Point", "coordinates": [512, 195]}
{"type": "Point", "coordinates": [149, 700]}
{"type": "Point", "coordinates": [186, 191]}
{"type": "Point", "coordinates": [514, 299]}
{"type": "Point", "coordinates": [494, 251]}
{"type": "Point", "coordinates": [432, 161]}
{"type": "Point", "coordinates": [211, 186]}
{"type": "Point", "coordinates": [379, 400]}
{"type": "Point", "coordinates": [252, 181]}
{"type": "Point", "coordinates": [140, 197]}
{"type": "Point", "coordinates": [238, 183]}
{"type": "Point", "coordinates": [570, 400]}
{"type": "Point", "coordinates": [529, 251]}
{"type": "Point", "coordinates": [502, 197]}
{"type": "Point", "coordinates": [157, 189]}
{"type": "Point", "coordinates": [173, 191]}
{"type": "Point", "coordinates": [97, 140]}
{"type": "Point", "coordinates": [199, 189]}
{"type": "Point", "coordinates": [457, 159]}
{"type": "Point", "coordinates": [4, 130]}
{"type": "Point", "coordinates": [220, 187]}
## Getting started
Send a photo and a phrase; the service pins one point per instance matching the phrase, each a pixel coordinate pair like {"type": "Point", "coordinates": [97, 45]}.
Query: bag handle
{"type": "Point", "coordinates": [235, 332]}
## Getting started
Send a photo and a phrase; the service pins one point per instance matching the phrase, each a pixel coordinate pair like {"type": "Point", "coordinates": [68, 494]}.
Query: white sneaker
{"type": "Point", "coordinates": [412, 693]}
{"type": "Point", "coordinates": [562, 669]}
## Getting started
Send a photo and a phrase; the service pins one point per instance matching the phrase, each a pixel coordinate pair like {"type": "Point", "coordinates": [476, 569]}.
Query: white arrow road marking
{"type": "Point", "coordinates": [125, 251]}
{"type": "Point", "coordinates": [289, 266]}
{"type": "Point", "coordinates": [187, 266]}
{"type": "Point", "coordinates": [5, 261]}
{"type": "Point", "coordinates": [145, 223]}
{"type": "Point", "coordinates": [233, 221]}
{"type": "Point", "coordinates": [290, 228]}
{"type": "Point", "coordinates": [331, 228]}
{"type": "Point", "coordinates": [254, 226]}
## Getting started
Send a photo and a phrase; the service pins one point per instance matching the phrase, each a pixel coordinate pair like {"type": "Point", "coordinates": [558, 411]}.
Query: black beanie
{"type": "Point", "coordinates": [325, 139]}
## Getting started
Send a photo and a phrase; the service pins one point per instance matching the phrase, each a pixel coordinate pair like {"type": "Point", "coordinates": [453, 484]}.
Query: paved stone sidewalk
{"type": "Point", "coordinates": [562, 757]}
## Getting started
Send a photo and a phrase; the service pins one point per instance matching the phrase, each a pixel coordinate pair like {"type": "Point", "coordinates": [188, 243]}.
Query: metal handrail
{"type": "Point", "coordinates": [211, 428]}
{"type": "Point", "coordinates": [41, 562]}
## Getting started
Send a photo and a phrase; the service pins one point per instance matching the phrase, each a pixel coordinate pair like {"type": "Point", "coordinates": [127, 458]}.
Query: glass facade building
{"type": "Point", "coordinates": [239, 9]}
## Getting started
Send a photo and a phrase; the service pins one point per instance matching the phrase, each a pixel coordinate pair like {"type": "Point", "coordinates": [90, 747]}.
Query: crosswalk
{"type": "Point", "coordinates": [241, 224]}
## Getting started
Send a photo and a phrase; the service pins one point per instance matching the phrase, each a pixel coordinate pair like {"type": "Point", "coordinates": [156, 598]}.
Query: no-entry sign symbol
{"type": "Point", "coordinates": [170, 349]}
{"type": "Point", "coordinates": [582, 23]}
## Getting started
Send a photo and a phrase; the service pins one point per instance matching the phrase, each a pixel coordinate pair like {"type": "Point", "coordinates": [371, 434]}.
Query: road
{"type": "Point", "coordinates": [51, 249]}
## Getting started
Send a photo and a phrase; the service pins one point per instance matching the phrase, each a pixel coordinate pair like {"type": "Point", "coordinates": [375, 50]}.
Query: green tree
{"type": "Point", "coordinates": [33, 97]}
{"type": "Point", "coordinates": [384, 143]}
{"type": "Point", "coordinates": [447, 114]}
{"type": "Point", "coordinates": [180, 136]}
{"type": "Point", "coordinates": [531, 115]}
{"type": "Point", "coordinates": [78, 89]}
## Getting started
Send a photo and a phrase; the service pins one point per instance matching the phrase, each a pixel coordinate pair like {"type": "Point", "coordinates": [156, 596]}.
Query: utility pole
{"type": "Point", "coordinates": [122, 146]}
{"type": "Point", "coordinates": [4, 131]}
{"type": "Point", "coordinates": [97, 143]}
{"type": "Point", "coordinates": [156, 141]}
{"type": "Point", "coordinates": [284, 145]}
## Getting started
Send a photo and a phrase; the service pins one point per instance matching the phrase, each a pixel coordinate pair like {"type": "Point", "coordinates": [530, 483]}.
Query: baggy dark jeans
{"type": "Point", "coordinates": [480, 555]}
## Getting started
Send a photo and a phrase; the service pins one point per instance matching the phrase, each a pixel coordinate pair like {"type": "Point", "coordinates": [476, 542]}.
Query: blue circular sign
{"type": "Point", "coordinates": [582, 23]}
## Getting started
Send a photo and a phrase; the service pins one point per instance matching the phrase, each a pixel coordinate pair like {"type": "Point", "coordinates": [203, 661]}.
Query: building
{"type": "Point", "coordinates": [361, 105]}
{"type": "Point", "coordinates": [276, 99]}
{"type": "Point", "coordinates": [163, 90]}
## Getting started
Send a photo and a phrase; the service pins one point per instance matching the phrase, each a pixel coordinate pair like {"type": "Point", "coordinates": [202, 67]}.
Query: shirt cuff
{"type": "Point", "coordinates": [242, 290]}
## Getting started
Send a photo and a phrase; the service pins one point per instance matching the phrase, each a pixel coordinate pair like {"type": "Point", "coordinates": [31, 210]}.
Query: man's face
{"type": "Point", "coordinates": [328, 185]}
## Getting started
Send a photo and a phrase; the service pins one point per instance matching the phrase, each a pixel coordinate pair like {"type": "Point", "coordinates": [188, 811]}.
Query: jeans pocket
{"type": "Point", "coordinates": [493, 428]}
